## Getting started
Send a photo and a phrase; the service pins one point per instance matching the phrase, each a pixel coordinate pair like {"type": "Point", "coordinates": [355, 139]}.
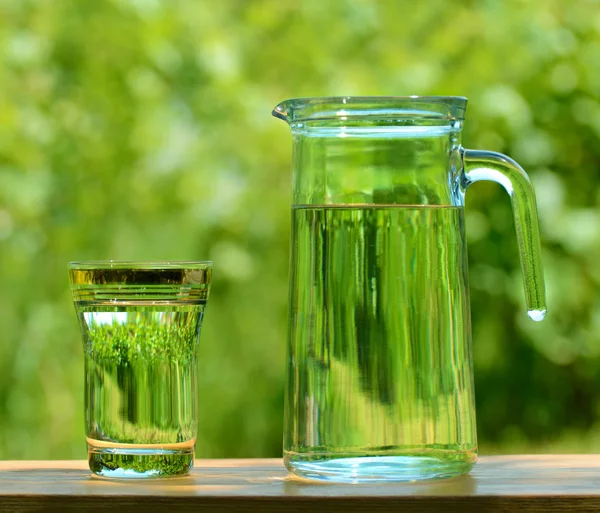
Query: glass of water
{"type": "Point", "coordinates": [140, 324]}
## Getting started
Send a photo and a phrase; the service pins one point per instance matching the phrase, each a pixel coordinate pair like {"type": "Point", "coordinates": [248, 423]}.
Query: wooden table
{"type": "Point", "coordinates": [498, 483]}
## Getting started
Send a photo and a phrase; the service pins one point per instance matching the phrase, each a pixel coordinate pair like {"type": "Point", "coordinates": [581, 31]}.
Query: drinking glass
{"type": "Point", "coordinates": [140, 325]}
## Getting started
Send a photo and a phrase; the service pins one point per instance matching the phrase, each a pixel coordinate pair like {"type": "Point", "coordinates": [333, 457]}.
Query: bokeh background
{"type": "Point", "coordinates": [141, 129]}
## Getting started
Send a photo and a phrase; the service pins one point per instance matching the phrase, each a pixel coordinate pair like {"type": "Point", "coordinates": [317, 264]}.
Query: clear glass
{"type": "Point", "coordinates": [140, 324]}
{"type": "Point", "coordinates": [380, 381]}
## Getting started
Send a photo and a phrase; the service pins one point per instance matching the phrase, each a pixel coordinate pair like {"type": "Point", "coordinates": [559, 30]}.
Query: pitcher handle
{"type": "Point", "coordinates": [488, 165]}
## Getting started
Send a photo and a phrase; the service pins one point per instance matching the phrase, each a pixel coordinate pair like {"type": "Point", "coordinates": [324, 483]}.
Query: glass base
{"type": "Point", "coordinates": [127, 462]}
{"type": "Point", "coordinates": [372, 469]}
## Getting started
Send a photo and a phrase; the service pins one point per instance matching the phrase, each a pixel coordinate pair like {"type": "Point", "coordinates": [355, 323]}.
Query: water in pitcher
{"type": "Point", "coordinates": [380, 359]}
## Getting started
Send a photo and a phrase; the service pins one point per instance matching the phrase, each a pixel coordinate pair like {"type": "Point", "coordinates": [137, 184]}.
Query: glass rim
{"type": "Point", "coordinates": [449, 108]}
{"type": "Point", "coordinates": [139, 264]}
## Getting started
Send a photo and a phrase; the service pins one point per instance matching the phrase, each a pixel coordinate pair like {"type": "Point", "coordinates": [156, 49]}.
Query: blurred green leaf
{"type": "Point", "coordinates": [141, 129]}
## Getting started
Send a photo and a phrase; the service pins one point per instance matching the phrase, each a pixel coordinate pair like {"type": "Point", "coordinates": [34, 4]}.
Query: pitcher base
{"type": "Point", "coordinates": [377, 468]}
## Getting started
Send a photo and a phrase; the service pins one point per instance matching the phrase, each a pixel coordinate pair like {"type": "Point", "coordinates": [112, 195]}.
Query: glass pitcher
{"type": "Point", "coordinates": [380, 381]}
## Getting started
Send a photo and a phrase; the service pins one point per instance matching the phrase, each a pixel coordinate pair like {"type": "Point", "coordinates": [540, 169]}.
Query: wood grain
{"type": "Point", "coordinates": [498, 483]}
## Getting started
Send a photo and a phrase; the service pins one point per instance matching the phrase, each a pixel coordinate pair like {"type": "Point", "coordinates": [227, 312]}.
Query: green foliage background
{"type": "Point", "coordinates": [141, 129]}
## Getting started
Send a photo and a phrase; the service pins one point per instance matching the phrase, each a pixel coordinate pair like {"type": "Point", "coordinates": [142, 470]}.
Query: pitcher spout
{"type": "Point", "coordinates": [282, 111]}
